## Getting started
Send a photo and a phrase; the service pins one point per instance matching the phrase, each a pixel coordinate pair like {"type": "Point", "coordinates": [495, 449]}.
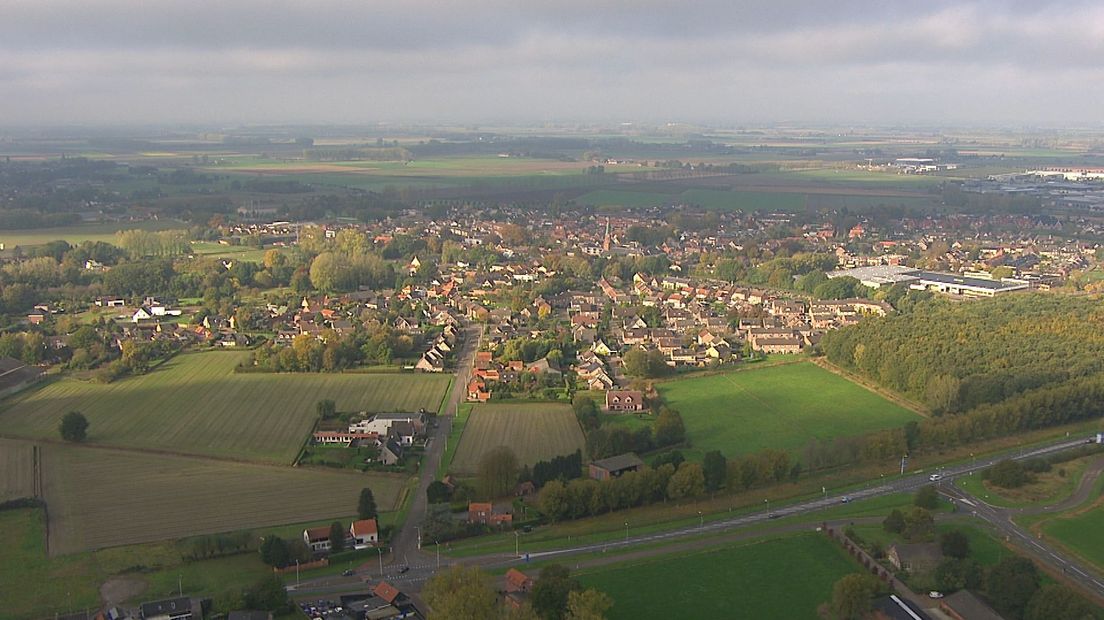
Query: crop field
{"type": "Point", "coordinates": [777, 578]}
{"type": "Point", "coordinates": [196, 404]}
{"type": "Point", "coordinates": [534, 431]}
{"type": "Point", "coordinates": [765, 197]}
{"type": "Point", "coordinates": [77, 233]}
{"type": "Point", "coordinates": [16, 470]}
{"type": "Point", "coordinates": [776, 407]}
{"type": "Point", "coordinates": [103, 498]}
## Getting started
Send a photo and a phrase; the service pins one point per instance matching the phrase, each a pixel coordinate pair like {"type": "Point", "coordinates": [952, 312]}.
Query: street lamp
{"type": "Point", "coordinates": [767, 502]}
{"type": "Point", "coordinates": [517, 550]}
{"type": "Point", "coordinates": [419, 536]}
{"type": "Point", "coordinates": [626, 531]}
{"type": "Point", "coordinates": [701, 520]}
{"type": "Point", "coordinates": [438, 545]}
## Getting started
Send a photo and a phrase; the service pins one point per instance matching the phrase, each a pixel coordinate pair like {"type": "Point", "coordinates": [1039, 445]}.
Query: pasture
{"type": "Point", "coordinates": [81, 232]}
{"type": "Point", "coordinates": [196, 404]}
{"type": "Point", "coordinates": [535, 432]}
{"type": "Point", "coordinates": [104, 498]}
{"type": "Point", "coordinates": [776, 407]}
{"type": "Point", "coordinates": [16, 470]}
{"type": "Point", "coordinates": [1081, 532]}
{"type": "Point", "coordinates": [776, 578]}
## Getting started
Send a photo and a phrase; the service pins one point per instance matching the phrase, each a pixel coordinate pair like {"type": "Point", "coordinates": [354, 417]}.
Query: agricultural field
{"type": "Point", "coordinates": [781, 406]}
{"type": "Point", "coordinates": [767, 197]}
{"type": "Point", "coordinates": [776, 578]}
{"type": "Point", "coordinates": [196, 404]}
{"type": "Point", "coordinates": [16, 470]}
{"type": "Point", "coordinates": [81, 232]}
{"type": "Point", "coordinates": [534, 431]}
{"type": "Point", "coordinates": [103, 498]}
{"type": "Point", "coordinates": [1081, 531]}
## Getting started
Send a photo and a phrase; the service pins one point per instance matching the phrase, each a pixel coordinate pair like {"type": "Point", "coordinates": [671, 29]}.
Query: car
{"type": "Point", "coordinates": [935, 477]}
{"type": "Point", "coordinates": [348, 572]}
{"type": "Point", "coordinates": [404, 569]}
{"type": "Point", "coordinates": [527, 529]}
{"type": "Point", "coordinates": [934, 594]}
{"type": "Point", "coordinates": [773, 515]}
{"type": "Point", "coordinates": [845, 499]}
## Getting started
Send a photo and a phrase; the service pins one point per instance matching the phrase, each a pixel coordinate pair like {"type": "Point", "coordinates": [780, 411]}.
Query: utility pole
{"type": "Point", "coordinates": [438, 545]}
{"type": "Point", "coordinates": [180, 585]}
{"type": "Point", "coordinates": [380, 551]}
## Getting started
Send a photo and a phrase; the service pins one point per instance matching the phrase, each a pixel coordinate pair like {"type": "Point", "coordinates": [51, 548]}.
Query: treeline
{"type": "Point", "coordinates": [956, 357]}
{"type": "Point", "coordinates": [612, 439]}
{"type": "Point", "coordinates": [333, 352]}
{"type": "Point", "coordinates": [565, 467]}
{"type": "Point", "coordinates": [585, 497]}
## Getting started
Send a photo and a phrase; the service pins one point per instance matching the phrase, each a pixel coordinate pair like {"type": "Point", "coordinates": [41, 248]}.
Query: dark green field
{"type": "Point", "coordinates": [778, 578]}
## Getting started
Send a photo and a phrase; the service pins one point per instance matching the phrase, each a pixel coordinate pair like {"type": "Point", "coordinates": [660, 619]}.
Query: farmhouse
{"type": "Point", "coordinates": [364, 532]}
{"type": "Point", "coordinates": [915, 558]}
{"type": "Point", "coordinates": [615, 466]}
{"type": "Point", "coordinates": [317, 539]}
{"type": "Point", "coordinates": [624, 400]}
{"type": "Point", "coordinates": [484, 513]}
{"type": "Point", "coordinates": [518, 587]}
{"type": "Point", "coordinates": [965, 605]}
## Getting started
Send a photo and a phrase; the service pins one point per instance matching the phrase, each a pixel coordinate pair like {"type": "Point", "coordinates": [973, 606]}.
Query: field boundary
{"type": "Point", "coordinates": [891, 396]}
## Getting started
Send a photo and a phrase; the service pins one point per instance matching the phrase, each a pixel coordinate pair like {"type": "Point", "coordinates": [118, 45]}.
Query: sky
{"type": "Point", "coordinates": [724, 62]}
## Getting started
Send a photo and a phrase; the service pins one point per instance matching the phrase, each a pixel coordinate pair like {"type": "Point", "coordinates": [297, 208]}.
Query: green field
{"type": "Point", "coordinates": [103, 498]}
{"type": "Point", "coordinates": [84, 232]}
{"type": "Point", "coordinates": [777, 578]}
{"type": "Point", "coordinates": [1082, 533]}
{"type": "Point", "coordinates": [776, 407]}
{"type": "Point", "coordinates": [196, 404]}
{"type": "Point", "coordinates": [737, 199]}
{"type": "Point", "coordinates": [535, 432]}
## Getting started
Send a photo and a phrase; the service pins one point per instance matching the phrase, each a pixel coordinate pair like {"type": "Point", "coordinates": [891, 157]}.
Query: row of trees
{"type": "Point", "coordinates": [586, 497]}
{"type": "Point", "coordinates": [466, 592]}
{"type": "Point", "coordinates": [610, 439]}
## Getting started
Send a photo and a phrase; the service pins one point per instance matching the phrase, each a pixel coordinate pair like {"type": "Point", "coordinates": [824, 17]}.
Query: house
{"type": "Point", "coordinates": [249, 614]}
{"type": "Point", "coordinates": [364, 532]}
{"type": "Point", "coordinates": [180, 608]}
{"type": "Point", "coordinates": [15, 375]}
{"type": "Point", "coordinates": [624, 400]}
{"type": "Point", "coordinates": [477, 391]}
{"type": "Point", "coordinates": [404, 432]}
{"type": "Point", "coordinates": [484, 514]}
{"type": "Point", "coordinates": [317, 539]}
{"type": "Point", "coordinates": [110, 302]}
{"type": "Point", "coordinates": [893, 607]}
{"type": "Point", "coordinates": [141, 314]}
{"type": "Point", "coordinates": [517, 581]}
{"type": "Point", "coordinates": [916, 557]}
{"type": "Point", "coordinates": [390, 452]}
{"type": "Point", "coordinates": [965, 605]}
{"type": "Point", "coordinates": [614, 466]}
{"type": "Point", "coordinates": [543, 366]}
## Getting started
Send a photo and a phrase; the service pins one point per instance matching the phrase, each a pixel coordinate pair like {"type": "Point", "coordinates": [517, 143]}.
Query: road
{"type": "Point", "coordinates": [406, 542]}
{"type": "Point", "coordinates": [1060, 563]}
{"type": "Point", "coordinates": [424, 565]}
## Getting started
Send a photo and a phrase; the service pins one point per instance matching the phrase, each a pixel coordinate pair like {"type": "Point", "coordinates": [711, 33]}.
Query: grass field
{"type": "Point", "coordinates": [77, 233]}
{"type": "Point", "coordinates": [534, 431]}
{"type": "Point", "coordinates": [777, 578]}
{"type": "Point", "coordinates": [102, 498]}
{"type": "Point", "coordinates": [196, 404]}
{"type": "Point", "coordinates": [776, 407]}
{"type": "Point", "coordinates": [765, 198]}
{"type": "Point", "coordinates": [1081, 533]}
{"type": "Point", "coordinates": [16, 470]}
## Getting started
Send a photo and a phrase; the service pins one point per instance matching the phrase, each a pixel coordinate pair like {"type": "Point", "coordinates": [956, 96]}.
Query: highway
{"type": "Point", "coordinates": [426, 563]}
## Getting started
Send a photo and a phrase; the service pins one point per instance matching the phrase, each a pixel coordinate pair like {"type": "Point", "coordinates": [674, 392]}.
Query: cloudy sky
{"type": "Point", "coordinates": [724, 61]}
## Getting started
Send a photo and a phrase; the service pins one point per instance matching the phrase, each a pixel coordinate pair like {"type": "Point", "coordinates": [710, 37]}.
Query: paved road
{"type": "Point", "coordinates": [423, 566]}
{"type": "Point", "coordinates": [1001, 519]}
{"type": "Point", "coordinates": [406, 544]}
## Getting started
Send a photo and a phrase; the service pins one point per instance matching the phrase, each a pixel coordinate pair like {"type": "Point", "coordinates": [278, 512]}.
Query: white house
{"type": "Point", "coordinates": [364, 533]}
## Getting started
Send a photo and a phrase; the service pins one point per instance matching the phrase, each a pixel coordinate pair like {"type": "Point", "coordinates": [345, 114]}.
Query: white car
{"type": "Point", "coordinates": [935, 477]}
{"type": "Point", "coordinates": [934, 594]}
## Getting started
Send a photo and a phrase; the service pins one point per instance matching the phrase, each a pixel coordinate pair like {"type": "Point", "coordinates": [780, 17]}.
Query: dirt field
{"type": "Point", "coordinates": [102, 498]}
{"type": "Point", "coordinates": [535, 432]}
{"type": "Point", "coordinates": [16, 470]}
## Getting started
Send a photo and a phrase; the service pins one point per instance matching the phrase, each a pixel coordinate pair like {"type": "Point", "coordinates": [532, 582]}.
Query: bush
{"type": "Point", "coordinates": [927, 497]}
{"type": "Point", "coordinates": [1007, 474]}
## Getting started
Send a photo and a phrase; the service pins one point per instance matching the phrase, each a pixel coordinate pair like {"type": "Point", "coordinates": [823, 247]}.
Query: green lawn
{"type": "Point", "coordinates": [1082, 533]}
{"type": "Point", "coordinates": [196, 404]}
{"type": "Point", "coordinates": [777, 578]}
{"type": "Point", "coordinates": [459, 421]}
{"type": "Point", "coordinates": [81, 232]}
{"type": "Point", "coordinates": [776, 407]}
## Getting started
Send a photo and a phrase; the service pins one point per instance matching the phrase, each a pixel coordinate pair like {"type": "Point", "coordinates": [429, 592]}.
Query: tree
{"type": "Point", "coordinates": [715, 468]}
{"type": "Point", "coordinates": [74, 427]}
{"type": "Point", "coordinates": [851, 596]}
{"type": "Point", "coordinates": [927, 498]}
{"type": "Point", "coordinates": [337, 537]}
{"type": "Point", "coordinates": [366, 504]}
{"type": "Point", "coordinates": [688, 481]}
{"type": "Point", "coordinates": [919, 525]}
{"type": "Point", "coordinates": [326, 409]}
{"type": "Point", "coordinates": [941, 393]}
{"type": "Point", "coordinates": [460, 592]}
{"type": "Point", "coordinates": [590, 604]}
{"type": "Point", "coordinates": [895, 522]}
{"type": "Point", "coordinates": [1057, 602]}
{"type": "Point", "coordinates": [1007, 474]}
{"type": "Point", "coordinates": [497, 471]}
{"type": "Point", "coordinates": [274, 551]}
{"type": "Point", "coordinates": [954, 544]}
{"type": "Point", "coordinates": [1011, 584]}
{"type": "Point", "coordinates": [268, 594]}
{"type": "Point", "coordinates": [437, 492]}
{"type": "Point", "coordinates": [954, 574]}
{"type": "Point", "coordinates": [554, 500]}
{"type": "Point", "coordinates": [551, 591]}
{"type": "Point", "coordinates": [669, 428]}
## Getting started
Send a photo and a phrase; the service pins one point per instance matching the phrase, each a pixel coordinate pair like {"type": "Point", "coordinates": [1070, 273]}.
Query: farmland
{"type": "Point", "coordinates": [77, 233]}
{"type": "Point", "coordinates": [16, 470]}
{"type": "Point", "coordinates": [776, 407]}
{"type": "Point", "coordinates": [102, 498]}
{"type": "Point", "coordinates": [779, 578]}
{"type": "Point", "coordinates": [196, 404]}
{"type": "Point", "coordinates": [1082, 532]}
{"type": "Point", "coordinates": [534, 431]}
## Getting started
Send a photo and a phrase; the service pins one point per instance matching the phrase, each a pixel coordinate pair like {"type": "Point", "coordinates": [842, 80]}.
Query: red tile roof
{"type": "Point", "coordinates": [386, 591]}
